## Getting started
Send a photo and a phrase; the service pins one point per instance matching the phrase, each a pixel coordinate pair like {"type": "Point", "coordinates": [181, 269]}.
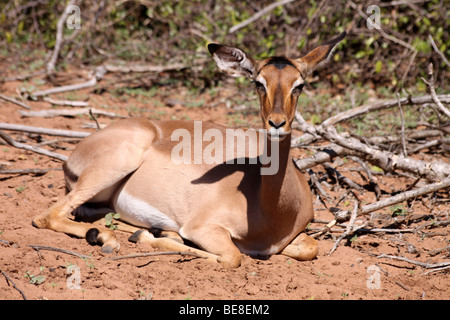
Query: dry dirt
{"type": "Point", "coordinates": [346, 274]}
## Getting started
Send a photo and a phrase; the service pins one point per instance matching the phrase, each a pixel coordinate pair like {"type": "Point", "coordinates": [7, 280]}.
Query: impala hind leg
{"type": "Point", "coordinates": [91, 182]}
{"type": "Point", "coordinates": [302, 248]}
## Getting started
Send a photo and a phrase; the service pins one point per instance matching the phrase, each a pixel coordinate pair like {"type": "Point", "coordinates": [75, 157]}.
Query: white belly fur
{"type": "Point", "coordinates": [141, 213]}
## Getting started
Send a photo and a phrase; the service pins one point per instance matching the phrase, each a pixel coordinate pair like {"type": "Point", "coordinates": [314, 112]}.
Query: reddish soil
{"type": "Point", "coordinates": [343, 275]}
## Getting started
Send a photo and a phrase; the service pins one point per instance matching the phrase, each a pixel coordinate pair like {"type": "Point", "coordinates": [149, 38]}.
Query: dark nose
{"type": "Point", "coordinates": [277, 125]}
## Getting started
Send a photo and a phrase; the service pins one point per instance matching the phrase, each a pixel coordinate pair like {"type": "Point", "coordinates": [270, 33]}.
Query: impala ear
{"type": "Point", "coordinates": [232, 61]}
{"type": "Point", "coordinates": [320, 55]}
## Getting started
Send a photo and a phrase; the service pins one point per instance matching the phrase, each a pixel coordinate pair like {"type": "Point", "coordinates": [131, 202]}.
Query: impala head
{"type": "Point", "coordinates": [278, 80]}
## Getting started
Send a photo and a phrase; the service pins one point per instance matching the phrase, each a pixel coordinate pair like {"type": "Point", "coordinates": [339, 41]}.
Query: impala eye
{"type": "Point", "coordinates": [259, 86]}
{"type": "Point", "coordinates": [298, 89]}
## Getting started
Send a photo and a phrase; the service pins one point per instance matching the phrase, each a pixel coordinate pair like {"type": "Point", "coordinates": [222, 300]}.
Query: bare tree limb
{"type": "Point", "coordinates": [21, 104]}
{"type": "Point", "coordinates": [258, 15]}
{"type": "Point", "coordinates": [430, 84]}
{"type": "Point", "coordinates": [59, 39]}
{"type": "Point", "coordinates": [438, 51]}
{"type": "Point", "coordinates": [67, 113]}
{"type": "Point", "coordinates": [8, 279]}
{"type": "Point", "coordinates": [19, 145]}
{"type": "Point", "coordinates": [46, 131]}
{"type": "Point", "coordinates": [365, 109]}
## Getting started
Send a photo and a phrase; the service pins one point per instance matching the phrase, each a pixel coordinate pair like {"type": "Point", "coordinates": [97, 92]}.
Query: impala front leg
{"type": "Point", "coordinates": [302, 248]}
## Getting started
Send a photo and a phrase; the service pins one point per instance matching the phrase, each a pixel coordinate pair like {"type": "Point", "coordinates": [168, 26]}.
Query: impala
{"type": "Point", "coordinates": [226, 208]}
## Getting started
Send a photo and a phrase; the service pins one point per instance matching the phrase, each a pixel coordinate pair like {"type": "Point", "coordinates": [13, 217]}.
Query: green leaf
{"type": "Point", "coordinates": [378, 66]}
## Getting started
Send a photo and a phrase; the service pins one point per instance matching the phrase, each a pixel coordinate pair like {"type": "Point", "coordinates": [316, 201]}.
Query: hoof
{"type": "Point", "coordinates": [92, 236]}
{"type": "Point", "coordinates": [135, 236]}
{"type": "Point", "coordinates": [107, 249]}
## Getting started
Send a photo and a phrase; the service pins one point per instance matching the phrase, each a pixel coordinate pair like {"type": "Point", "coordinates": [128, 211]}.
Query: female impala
{"type": "Point", "coordinates": [224, 209]}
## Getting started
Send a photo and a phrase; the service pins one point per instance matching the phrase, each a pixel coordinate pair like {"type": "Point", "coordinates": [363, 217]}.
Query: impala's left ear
{"type": "Point", "coordinates": [319, 55]}
{"type": "Point", "coordinates": [232, 61]}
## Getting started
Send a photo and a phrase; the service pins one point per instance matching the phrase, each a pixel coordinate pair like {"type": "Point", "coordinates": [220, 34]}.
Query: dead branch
{"type": "Point", "coordinates": [144, 68]}
{"type": "Point", "coordinates": [328, 153]}
{"type": "Point", "coordinates": [35, 149]}
{"type": "Point", "coordinates": [27, 171]}
{"type": "Point", "coordinates": [430, 84]}
{"type": "Point", "coordinates": [386, 160]}
{"type": "Point", "coordinates": [67, 113]}
{"type": "Point", "coordinates": [350, 227]}
{"type": "Point", "coordinates": [421, 264]}
{"type": "Point", "coordinates": [59, 38]}
{"type": "Point", "coordinates": [8, 280]}
{"type": "Point", "coordinates": [401, 197]}
{"type": "Point", "coordinates": [99, 73]}
{"type": "Point", "coordinates": [21, 104]}
{"type": "Point", "coordinates": [438, 51]}
{"type": "Point", "coordinates": [365, 109]}
{"type": "Point", "coordinates": [148, 254]}
{"type": "Point", "coordinates": [258, 15]}
{"type": "Point", "coordinates": [72, 253]}
{"type": "Point", "coordinates": [66, 102]}
{"type": "Point", "coordinates": [45, 131]}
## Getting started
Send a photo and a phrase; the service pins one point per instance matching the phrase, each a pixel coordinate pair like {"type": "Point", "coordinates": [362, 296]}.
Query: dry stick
{"type": "Point", "coordinates": [405, 153]}
{"type": "Point", "coordinates": [45, 131]}
{"type": "Point", "coordinates": [430, 84]}
{"type": "Point", "coordinates": [422, 264]}
{"type": "Point", "coordinates": [66, 102]}
{"type": "Point", "coordinates": [19, 145]}
{"type": "Point", "coordinates": [90, 83]}
{"type": "Point", "coordinates": [67, 113]}
{"type": "Point", "coordinates": [27, 171]}
{"type": "Point", "coordinates": [386, 160]}
{"type": "Point", "coordinates": [349, 227]}
{"type": "Point", "coordinates": [438, 51]}
{"type": "Point", "coordinates": [401, 197]}
{"type": "Point", "coordinates": [145, 68]}
{"type": "Point", "coordinates": [362, 110]}
{"type": "Point", "coordinates": [148, 254]}
{"type": "Point", "coordinates": [8, 280]}
{"type": "Point", "coordinates": [258, 15]}
{"type": "Point", "coordinates": [99, 73]}
{"type": "Point", "coordinates": [6, 98]}
{"type": "Point", "coordinates": [73, 253]}
{"type": "Point", "coordinates": [59, 39]}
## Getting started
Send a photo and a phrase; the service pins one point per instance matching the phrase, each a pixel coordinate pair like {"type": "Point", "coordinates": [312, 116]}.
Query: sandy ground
{"type": "Point", "coordinates": [351, 272]}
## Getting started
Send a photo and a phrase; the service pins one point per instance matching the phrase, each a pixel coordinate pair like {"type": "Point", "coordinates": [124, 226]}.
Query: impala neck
{"type": "Point", "coordinates": [273, 186]}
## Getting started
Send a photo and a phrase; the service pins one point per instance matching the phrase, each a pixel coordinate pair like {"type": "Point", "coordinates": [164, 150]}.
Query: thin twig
{"type": "Point", "coordinates": [349, 227]}
{"type": "Point", "coordinates": [258, 15]}
{"type": "Point", "coordinates": [9, 280]}
{"type": "Point", "coordinates": [422, 264]}
{"type": "Point", "coordinates": [45, 131]}
{"type": "Point", "coordinates": [27, 171]}
{"type": "Point", "coordinates": [72, 253]}
{"type": "Point", "coordinates": [67, 113]}
{"type": "Point", "coordinates": [405, 153]}
{"type": "Point", "coordinates": [59, 38]}
{"type": "Point", "coordinates": [35, 149]}
{"type": "Point", "coordinates": [430, 84]}
{"type": "Point", "coordinates": [148, 254]}
{"type": "Point", "coordinates": [66, 102]}
{"type": "Point", "coordinates": [438, 51]}
{"type": "Point", "coordinates": [21, 104]}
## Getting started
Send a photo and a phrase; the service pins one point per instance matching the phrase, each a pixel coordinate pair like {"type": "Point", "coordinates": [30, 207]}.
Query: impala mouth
{"type": "Point", "coordinates": [277, 134]}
